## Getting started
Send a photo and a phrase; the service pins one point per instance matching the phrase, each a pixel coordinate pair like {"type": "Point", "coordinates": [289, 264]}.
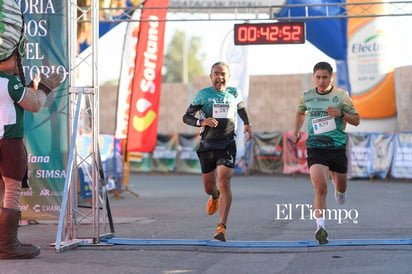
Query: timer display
{"type": "Point", "coordinates": [270, 33]}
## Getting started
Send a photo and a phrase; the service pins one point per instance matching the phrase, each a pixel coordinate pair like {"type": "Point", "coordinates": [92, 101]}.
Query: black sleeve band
{"type": "Point", "coordinates": [44, 88]}
{"type": "Point", "coordinates": [189, 117]}
{"type": "Point", "coordinates": [243, 115]}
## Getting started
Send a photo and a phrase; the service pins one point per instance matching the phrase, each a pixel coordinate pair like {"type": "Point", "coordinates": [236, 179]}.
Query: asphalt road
{"type": "Point", "coordinates": [270, 230]}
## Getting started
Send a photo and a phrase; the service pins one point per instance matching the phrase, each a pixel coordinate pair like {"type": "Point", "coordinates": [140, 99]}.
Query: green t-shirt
{"type": "Point", "coordinates": [11, 113]}
{"type": "Point", "coordinates": [221, 105]}
{"type": "Point", "coordinates": [325, 131]}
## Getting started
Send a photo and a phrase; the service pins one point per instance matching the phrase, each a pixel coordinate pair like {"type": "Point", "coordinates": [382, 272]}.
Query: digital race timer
{"type": "Point", "coordinates": [270, 33]}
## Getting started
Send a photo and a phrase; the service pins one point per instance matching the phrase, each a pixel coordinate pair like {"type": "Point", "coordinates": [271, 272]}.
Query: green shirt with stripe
{"type": "Point", "coordinates": [315, 105]}
{"type": "Point", "coordinates": [222, 105]}
{"type": "Point", "coordinates": [11, 113]}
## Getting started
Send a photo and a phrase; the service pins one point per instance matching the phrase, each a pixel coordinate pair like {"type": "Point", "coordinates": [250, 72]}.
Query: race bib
{"type": "Point", "coordinates": [223, 111]}
{"type": "Point", "coordinates": [323, 124]}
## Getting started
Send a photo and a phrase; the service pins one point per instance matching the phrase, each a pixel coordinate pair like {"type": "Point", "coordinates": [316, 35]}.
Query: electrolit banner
{"type": "Point", "coordinates": [371, 71]}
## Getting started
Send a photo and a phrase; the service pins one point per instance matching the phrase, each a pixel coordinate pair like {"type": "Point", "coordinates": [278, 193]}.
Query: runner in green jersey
{"type": "Point", "coordinates": [327, 109]}
{"type": "Point", "coordinates": [214, 110]}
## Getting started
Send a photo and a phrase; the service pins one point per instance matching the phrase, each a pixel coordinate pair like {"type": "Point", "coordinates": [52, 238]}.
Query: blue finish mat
{"type": "Point", "coordinates": [255, 244]}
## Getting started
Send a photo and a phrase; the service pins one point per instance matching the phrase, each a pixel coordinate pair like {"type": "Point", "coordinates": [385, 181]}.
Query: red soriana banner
{"type": "Point", "coordinates": [144, 104]}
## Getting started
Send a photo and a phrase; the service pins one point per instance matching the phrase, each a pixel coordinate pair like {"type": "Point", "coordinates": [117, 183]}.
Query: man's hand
{"type": "Point", "coordinates": [334, 112]}
{"type": "Point", "coordinates": [248, 129]}
{"type": "Point", "coordinates": [210, 122]}
{"type": "Point", "coordinates": [34, 84]}
{"type": "Point", "coordinates": [47, 84]}
{"type": "Point", "coordinates": [296, 137]}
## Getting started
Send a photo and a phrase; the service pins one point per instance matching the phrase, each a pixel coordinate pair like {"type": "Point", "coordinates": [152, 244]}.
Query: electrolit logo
{"type": "Point", "coordinates": [369, 58]}
{"type": "Point", "coordinates": [369, 45]}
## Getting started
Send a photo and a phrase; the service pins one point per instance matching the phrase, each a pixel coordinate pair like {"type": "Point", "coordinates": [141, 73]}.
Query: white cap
{"type": "Point", "coordinates": [11, 27]}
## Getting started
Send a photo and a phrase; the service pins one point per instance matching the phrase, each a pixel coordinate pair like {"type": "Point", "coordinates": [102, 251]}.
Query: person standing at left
{"type": "Point", "coordinates": [217, 107]}
{"type": "Point", "coordinates": [15, 98]}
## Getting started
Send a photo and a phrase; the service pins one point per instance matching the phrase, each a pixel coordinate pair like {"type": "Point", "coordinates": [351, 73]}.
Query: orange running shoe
{"type": "Point", "coordinates": [220, 233]}
{"type": "Point", "coordinates": [213, 204]}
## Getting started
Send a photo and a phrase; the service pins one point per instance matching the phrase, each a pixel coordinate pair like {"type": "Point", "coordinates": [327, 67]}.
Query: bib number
{"type": "Point", "coordinates": [223, 111]}
{"type": "Point", "coordinates": [323, 124]}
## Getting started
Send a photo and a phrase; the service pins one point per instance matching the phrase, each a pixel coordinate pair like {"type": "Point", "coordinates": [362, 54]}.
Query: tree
{"type": "Point", "coordinates": [183, 60]}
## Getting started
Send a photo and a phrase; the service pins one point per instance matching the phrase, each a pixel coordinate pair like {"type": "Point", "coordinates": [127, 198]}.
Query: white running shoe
{"type": "Point", "coordinates": [339, 196]}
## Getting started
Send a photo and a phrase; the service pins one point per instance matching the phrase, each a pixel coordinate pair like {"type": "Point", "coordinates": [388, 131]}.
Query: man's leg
{"type": "Point", "coordinates": [340, 181]}
{"type": "Point", "coordinates": [224, 175]}
{"type": "Point", "coordinates": [12, 192]}
{"type": "Point", "coordinates": [10, 246]}
{"type": "Point", "coordinates": [209, 183]}
{"type": "Point", "coordinates": [319, 176]}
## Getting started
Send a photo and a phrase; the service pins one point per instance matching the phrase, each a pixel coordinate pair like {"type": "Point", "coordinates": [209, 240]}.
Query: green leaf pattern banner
{"type": "Point", "coordinates": [46, 132]}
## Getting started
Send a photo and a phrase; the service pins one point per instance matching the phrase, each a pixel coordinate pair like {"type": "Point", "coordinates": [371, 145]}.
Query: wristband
{"type": "Point", "coordinates": [44, 88]}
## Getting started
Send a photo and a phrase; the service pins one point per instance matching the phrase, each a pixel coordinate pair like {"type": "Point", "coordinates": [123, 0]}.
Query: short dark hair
{"type": "Point", "coordinates": [220, 63]}
{"type": "Point", "coordinates": [323, 66]}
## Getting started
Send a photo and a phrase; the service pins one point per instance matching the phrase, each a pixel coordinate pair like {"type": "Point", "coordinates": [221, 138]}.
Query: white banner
{"type": "Point", "coordinates": [126, 75]}
{"type": "Point", "coordinates": [237, 58]}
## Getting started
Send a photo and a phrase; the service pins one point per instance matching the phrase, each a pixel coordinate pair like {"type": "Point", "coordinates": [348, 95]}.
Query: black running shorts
{"type": "Point", "coordinates": [210, 159]}
{"type": "Point", "coordinates": [335, 159]}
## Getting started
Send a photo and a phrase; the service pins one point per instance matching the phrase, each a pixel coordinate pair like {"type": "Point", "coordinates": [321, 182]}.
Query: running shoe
{"type": "Point", "coordinates": [340, 197]}
{"type": "Point", "coordinates": [220, 233]}
{"type": "Point", "coordinates": [321, 236]}
{"type": "Point", "coordinates": [213, 204]}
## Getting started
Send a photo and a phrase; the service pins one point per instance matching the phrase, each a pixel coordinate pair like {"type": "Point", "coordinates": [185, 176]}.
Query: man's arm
{"type": "Point", "coordinates": [33, 100]}
{"type": "Point", "coordinates": [299, 119]}
{"type": "Point", "coordinates": [350, 118]}
{"type": "Point", "coordinates": [35, 97]}
{"type": "Point", "coordinates": [349, 114]}
{"type": "Point", "coordinates": [247, 128]}
{"type": "Point", "coordinates": [353, 119]}
{"type": "Point", "coordinates": [190, 118]}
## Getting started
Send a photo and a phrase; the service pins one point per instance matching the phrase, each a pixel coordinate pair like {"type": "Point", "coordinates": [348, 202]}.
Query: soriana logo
{"type": "Point", "coordinates": [145, 98]}
{"type": "Point", "coordinates": [146, 79]}
{"type": "Point", "coordinates": [145, 115]}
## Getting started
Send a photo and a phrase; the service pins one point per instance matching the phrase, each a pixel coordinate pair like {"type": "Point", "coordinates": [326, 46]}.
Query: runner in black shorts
{"type": "Point", "coordinates": [214, 110]}
{"type": "Point", "coordinates": [327, 109]}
